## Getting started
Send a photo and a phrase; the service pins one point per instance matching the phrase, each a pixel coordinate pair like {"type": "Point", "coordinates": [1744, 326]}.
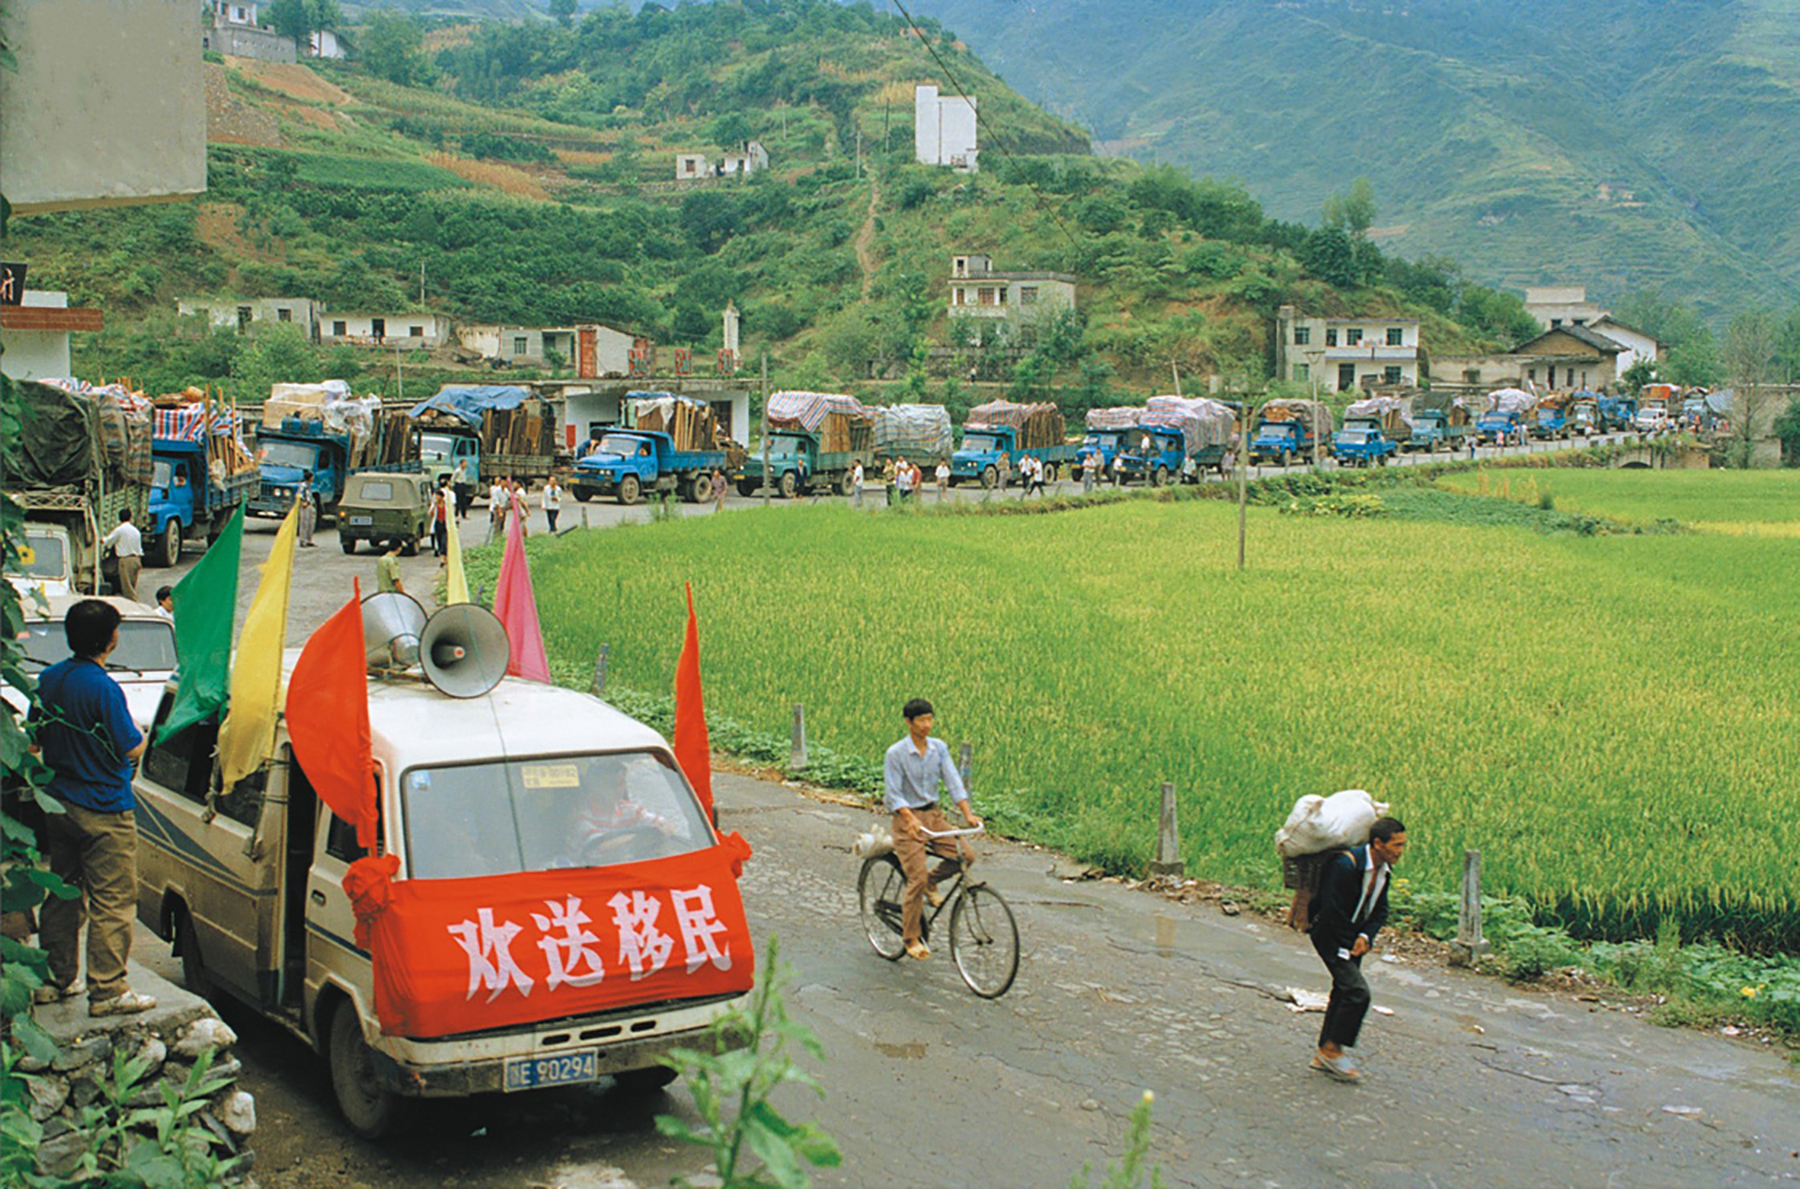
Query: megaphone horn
{"type": "Point", "coordinates": [391, 625]}
{"type": "Point", "coordinates": [464, 650]}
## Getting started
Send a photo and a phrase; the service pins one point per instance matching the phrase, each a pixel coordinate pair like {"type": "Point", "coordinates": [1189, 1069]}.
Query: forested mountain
{"type": "Point", "coordinates": [1634, 145]}
{"type": "Point", "coordinates": [525, 174]}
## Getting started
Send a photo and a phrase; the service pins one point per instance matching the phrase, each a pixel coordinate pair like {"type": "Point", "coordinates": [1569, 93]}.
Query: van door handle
{"type": "Point", "coordinates": [318, 898]}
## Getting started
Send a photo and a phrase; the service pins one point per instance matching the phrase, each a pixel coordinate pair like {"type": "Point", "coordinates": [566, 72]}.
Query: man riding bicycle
{"type": "Point", "coordinates": [913, 769]}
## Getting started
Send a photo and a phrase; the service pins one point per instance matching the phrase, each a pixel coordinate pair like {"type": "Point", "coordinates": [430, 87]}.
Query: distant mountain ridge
{"type": "Point", "coordinates": [1643, 144]}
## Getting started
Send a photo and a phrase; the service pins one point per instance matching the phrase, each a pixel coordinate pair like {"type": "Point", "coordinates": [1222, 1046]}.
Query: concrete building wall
{"type": "Point", "coordinates": [247, 41]}
{"type": "Point", "coordinates": [106, 107]}
{"type": "Point", "coordinates": [1561, 305]}
{"type": "Point", "coordinates": [945, 129]}
{"type": "Point", "coordinates": [1638, 345]}
{"type": "Point", "coordinates": [247, 313]}
{"type": "Point", "coordinates": [602, 404]}
{"type": "Point", "coordinates": [423, 331]}
{"type": "Point", "coordinates": [38, 354]}
{"type": "Point", "coordinates": [1339, 354]}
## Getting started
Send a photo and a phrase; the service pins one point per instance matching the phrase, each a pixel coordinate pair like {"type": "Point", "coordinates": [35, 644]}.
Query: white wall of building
{"type": "Point", "coordinates": [1638, 345]}
{"type": "Point", "coordinates": [423, 331]}
{"type": "Point", "coordinates": [38, 354]}
{"type": "Point", "coordinates": [945, 130]}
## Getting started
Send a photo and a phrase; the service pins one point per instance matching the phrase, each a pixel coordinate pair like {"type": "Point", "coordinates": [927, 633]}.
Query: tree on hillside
{"type": "Point", "coordinates": [1787, 348]}
{"type": "Point", "coordinates": [300, 19]}
{"type": "Point", "coordinates": [1751, 342]}
{"type": "Point", "coordinates": [1695, 361]}
{"type": "Point", "coordinates": [1352, 211]}
{"type": "Point", "coordinates": [391, 48]}
{"type": "Point", "coordinates": [563, 11]}
{"type": "Point", "coordinates": [730, 130]}
{"type": "Point", "coordinates": [1666, 320]}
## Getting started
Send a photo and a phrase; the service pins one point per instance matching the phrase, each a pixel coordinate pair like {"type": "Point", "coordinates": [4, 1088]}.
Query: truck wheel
{"type": "Point", "coordinates": [989, 475]}
{"type": "Point", "coordinates": [747, 487]}
{"type": "Point", "coordinates": [846, 484]}
{"type": "Point", "coordinates": [700, 490]}
{"type": "Point", "coordinates": [409, 547]}
{"type": "Point", "coordinates": [789, 484]}
{"type": "Point", "coordinates": [582, 494]}
{"type": "Point", "coordinates": [1160, 478]}
{"type": "Point", "coordinates": [166, 545]}
{"type": "Point", "coordinates": [628, 489]}
{"type": "Point", "coordinates": [346, 543]}
{"type": "Point", "coordinates": [369, 1108]}
{"type": "Point", "coordinates": [1049, 472]}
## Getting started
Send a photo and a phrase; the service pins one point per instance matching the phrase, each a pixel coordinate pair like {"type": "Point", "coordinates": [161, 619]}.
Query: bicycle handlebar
{"type": "Point", "coordinates": [982, 828]}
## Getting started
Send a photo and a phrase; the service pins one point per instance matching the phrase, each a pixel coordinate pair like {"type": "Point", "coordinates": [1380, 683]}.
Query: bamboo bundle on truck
{"type": "Point", "coordinates": [1039, 425]}
{"type": "Point", "coordinates": [841, 422]}
{"type": "Point", "coordinates": [1392, 415]}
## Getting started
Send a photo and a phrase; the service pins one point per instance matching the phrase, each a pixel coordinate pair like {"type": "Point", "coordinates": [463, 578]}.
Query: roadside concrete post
{"type": "Point", "coordinates": [965, 762]}
{"type": "Point", "coordinates": [600, 671]}
{"type": "Point", "coordinates": [1168, 840]}
{"type": "Point", "coordinates": [797, 751]}
{"type": "Point", "coordinates": [584, 519]}
{"type": "Point", "coordinates": [1469, 946]}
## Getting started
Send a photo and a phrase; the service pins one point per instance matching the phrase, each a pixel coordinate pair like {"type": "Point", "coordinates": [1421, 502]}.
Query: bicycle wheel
{"type": "Point", "coordinates": [878, 891]}
{"type": "Point", "coordinates": [984, 941]}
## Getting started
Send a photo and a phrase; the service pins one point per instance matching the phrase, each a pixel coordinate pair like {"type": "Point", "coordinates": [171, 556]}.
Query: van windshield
{"type": "Point", "coordinates": [145, 645]}
{"type": "Point", "coordinates": [508, 816]}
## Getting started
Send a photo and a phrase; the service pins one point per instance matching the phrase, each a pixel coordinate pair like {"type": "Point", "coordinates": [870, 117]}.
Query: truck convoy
{"type": "Point", "coordinates": [1179, 437]}
{"type": "Point", "coordinates": [815, 441]}
{"type": "Point", "coordinates": [477, 433]}
{"type": "Point", "coordinates": [82, 455]}
{"type": "Point", "coordinates": [1439, 429]}
{"type": "Point", "coordinates": [324, 431]}
{"type": "Point", "coordinates": [918, 433]}
{"type": "Point", "coordinates": [1287, 430]}
{"type": "Point", "coordinates": [1003, 430]}
{"type": "Point", "coordinates": [201, 473]}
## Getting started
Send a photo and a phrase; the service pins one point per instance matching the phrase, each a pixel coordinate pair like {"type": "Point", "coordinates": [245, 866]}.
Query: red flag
{"type": "Point", "coordinates": [328, 719]}
{"type": "Point", "coordinates": [516, 605]}
{"type": "Point", "coordinates": [692, 749]}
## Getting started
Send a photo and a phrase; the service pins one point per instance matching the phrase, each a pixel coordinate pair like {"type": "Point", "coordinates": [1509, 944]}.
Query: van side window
{"type": "Point", "coordinates": [340, 841]}
{"type": "Point", "coordinates": [243, 803]}
{"type": "Point", "coordinates": [182, 762]}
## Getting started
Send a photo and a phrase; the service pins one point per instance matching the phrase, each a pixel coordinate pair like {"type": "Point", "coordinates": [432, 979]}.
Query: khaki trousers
{"type": "Point", "coordinates": [912, 853]}
{"type": "Point", "coordinates": [129, 569]}
{"type": "Point", "coordinates": [96, 852]}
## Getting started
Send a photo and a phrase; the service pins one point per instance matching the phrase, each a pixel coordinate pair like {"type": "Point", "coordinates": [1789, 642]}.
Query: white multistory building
{"type": "Point", "coordinates": [944, 129]}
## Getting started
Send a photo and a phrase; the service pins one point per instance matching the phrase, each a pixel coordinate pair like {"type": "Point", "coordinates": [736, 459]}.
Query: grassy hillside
{"type": "Point", "coordinates": [1641, 145]}
{"type": "Point", "coordinates": [525, 175]}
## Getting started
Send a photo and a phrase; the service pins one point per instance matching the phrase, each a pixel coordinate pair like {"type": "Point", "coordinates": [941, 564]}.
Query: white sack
{"type": "Point", "coordinates": [1321, 823]}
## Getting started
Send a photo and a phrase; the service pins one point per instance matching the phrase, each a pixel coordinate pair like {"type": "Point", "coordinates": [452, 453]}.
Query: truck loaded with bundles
{"type": "Point", "coordinates": [1392, 415]}
{"type": "Point", "coordinates": [918, 433]}
{"type": "Point", "coordinates": [487, 432]}
{"type": "Point", "coordinates": [1289, 430]}
{"type": "Point", "coordinates": [1507, 411]}
{"type": "Point", "coordinates": [1038, 426]}
{"type": "Point", "coordinates": [1109, 435]}
{"type": "Point", "coordinates": [1443, 428]}
{"type": "Point", "coordinates": [842, 423]}
{"type": "Point", "coordinates": [690, 422]}
{"type": "Point", "coordinates": [1317, 830]}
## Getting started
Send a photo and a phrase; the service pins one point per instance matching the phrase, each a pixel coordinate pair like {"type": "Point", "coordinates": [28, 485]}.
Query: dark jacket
{"type": "Point", "coordinates": [1340, 887]}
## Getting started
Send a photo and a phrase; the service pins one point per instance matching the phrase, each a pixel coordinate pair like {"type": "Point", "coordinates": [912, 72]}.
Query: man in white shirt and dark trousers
{"type": "Point", "coordinates": [1351, 907]}
{"type": "Point", "coordinates": [128, 544]}
{"type": "Point", "coordinates": [914, 766]}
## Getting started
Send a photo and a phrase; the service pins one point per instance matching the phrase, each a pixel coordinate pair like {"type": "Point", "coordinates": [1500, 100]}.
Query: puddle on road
{"type": "Point", "coordinates": [912, 1050]}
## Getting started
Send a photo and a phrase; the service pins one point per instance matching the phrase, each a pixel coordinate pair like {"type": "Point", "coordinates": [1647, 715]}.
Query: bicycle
{"type": "Point", "coordinates": [984, 939]}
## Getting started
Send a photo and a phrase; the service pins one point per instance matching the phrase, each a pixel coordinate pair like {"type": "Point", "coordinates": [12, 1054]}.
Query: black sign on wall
{"type": "Point", "coordinates": [12, 284]}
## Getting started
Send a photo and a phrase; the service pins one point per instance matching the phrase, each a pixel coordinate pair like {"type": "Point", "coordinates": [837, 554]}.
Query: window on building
{"type": "Point", "coordinates": [1396, 336]}
{"type": "Point", "coordinates": [1390, 375]}
{"type": "Point", "coordinates": [339, 329]}
{"type": "Point", "coordinates": [284, 315]}
{"type": "Point", "coordinates": [1531, 373]}
{"type": "Point", "coordinates": [962, 266]}
{"type": "Point", "coordinates": [417, 332]}
{"type": "Point", "coordinates": [1331, 336]}
{"type": "Point", "coordinates": [956, 296]}
{"type": "Point", "coordinates": [984, 296]}
{"type": "Point", "coordinates": [1303, 372]}
{"type": "Point", "coordinates": [521, 344]}
{"type": "Point", "coordinates": [1353, 336]}
{"type": "Point", "coordinates": [1579, 321]}
{"type": "Point", "coordinates": [1002, 294]}
{"type": "Point", "coordinates": [1302, 335]}
{"type": "Point", "coordinates": [1555, 322]}
{"type": "Point", "coordinates": [1028, 295]}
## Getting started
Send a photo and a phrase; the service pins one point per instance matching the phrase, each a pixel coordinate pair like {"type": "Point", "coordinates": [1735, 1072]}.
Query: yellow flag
{"type": "Point", "coordinates": [456, 586]}
{"type": "Point", "coordinates": [248, 734]}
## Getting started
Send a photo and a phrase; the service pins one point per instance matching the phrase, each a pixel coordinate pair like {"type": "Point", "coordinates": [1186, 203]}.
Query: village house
{"type": "Point", "coordinates": [1345, 354]}
{"type": "Point", "coordinates": [977, 291]}
{"type": "Point", "coordinates": [37, 333]}
{"type": "Point", "coordinates": [1556, 306]}
{"type": "Point", "coordinates": [415, 332]}
{"type": "Point", "coordinates": [945, 129]}
{"type": "Point", "coordinates": [232, 27]}
{"type": "Point", "coordinates": [1568, 358]}
{"type": "Point", "coordinates": [245, 314]}
{"type": "Point", "coordinates": [591, 351]}
{"type": "Point", "coordinates": [748, 158]}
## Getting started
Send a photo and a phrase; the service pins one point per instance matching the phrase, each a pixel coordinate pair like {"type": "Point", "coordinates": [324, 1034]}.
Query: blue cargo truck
{"type": "Point", "coordinates": [1362, 445]}
{"type": "Point", "coordinates": [188, 498]}
{"type": "Point", "coordinates": [983, 446]}
{"type": "Point", "coordinates": [1438, 429]}
{"type": "Point", "coordinates": [630, 462]}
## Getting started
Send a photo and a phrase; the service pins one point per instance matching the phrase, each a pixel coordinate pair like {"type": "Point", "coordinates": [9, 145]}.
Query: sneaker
{"type": "Point", "coordinates": [130, 1003]}
{"type": "Point", "coordinates": [52, 993]}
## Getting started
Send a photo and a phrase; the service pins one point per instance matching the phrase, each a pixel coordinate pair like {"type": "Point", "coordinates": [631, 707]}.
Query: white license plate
{"type": "Point", "coordinates": [564, 1069]}
{"type": "Point", "coordinates": [362, 520]}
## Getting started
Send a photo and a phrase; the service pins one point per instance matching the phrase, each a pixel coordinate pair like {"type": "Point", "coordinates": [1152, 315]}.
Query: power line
{"type": "Point", "coordinates": [1043, 204]}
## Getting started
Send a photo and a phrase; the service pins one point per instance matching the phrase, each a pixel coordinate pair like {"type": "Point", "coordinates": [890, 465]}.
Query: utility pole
{"type": "Point", "coordinates": [1243, 473]}
{"type": "Point", "coordinates": [399, 373]}
{"type": "Point", "coordinates": [421, 284]}
{"type": "Point", "coordinates": [1177, 372]}
{"type": "Point", "coordinates": [765, 426]}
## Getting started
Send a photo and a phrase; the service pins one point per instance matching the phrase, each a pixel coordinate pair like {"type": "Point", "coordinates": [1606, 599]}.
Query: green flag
{"type": "Point", "coordinates": [205, 613]}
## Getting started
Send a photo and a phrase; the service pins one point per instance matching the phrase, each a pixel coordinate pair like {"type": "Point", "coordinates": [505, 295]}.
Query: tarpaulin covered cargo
{"type": "Point", "coordinates": [1291, 409]}
{"type": "Point", "coordinates": [1039, 425]}
{"type": "Point", "coordinates": [72, 435]}
{"type": "Point", "coordinates": [305, 401]}
{"type": "Point", "coordinates": [914, 432]}
{"type": "Point", "coordinates": [470, 401]}
{"type": "Point", "coordinates": [842, 422]}
{"type": "Point", "coordinates": [1202, 422]}
{"type": "Point", "coordinates": [689, 422]}
{"type": "Point", "coordinates": [1510, 400]}
{"type": "Point", "coordinates": [1117, 417]}
{"type": "Point", "coordinates": [122, 428]}
{"type": "Point", "coordinates": [193, 420]}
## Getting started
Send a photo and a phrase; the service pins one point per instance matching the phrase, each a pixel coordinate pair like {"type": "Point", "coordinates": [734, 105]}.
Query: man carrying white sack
{"type": "Point", "coordinates": [1350, 908]}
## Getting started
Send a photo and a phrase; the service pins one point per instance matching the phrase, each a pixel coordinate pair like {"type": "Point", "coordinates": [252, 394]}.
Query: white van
{"type": "Point", "coordinates": [248, 882]}
{"type": "Point", "coordinates": [142, 663]}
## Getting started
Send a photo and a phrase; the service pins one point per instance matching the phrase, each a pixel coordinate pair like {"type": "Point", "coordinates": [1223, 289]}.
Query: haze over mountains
{"type": "Point", "coordinates": [1641, 144]}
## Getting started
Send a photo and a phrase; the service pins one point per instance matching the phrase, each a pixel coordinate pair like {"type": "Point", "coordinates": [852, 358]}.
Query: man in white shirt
{"type": "Point", "coordinates": [552, 501]}
{"type": "Point", "coordinates": [499, 497]}
{"type": "Point", "coordinates": [128, 544]}
{"type": "Point", "coordinates": [913, 769]}
{"type": "Point", "coordinates": [943, 480]}
{"type": "Point", "coordinates": [856, 482]}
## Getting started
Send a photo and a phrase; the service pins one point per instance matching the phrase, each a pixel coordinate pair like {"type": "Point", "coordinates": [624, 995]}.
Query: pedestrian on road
{"type": "Point", "coordinates": [888, 473]}
{"type": "Point", "coordinates": [856, 484]}
{"type": "Point", "coordinates": [718, 489]}
{"type": "Point", "coordinates": [165, 602]}
{"type": "Point", "coordinates": [1352, 906]}
{"type": "Point", "coordinates": [943, 480]}
{"type": "Point", "coordinates": [441, 521]}
{"type": "Point", "coordinates": [459, 480]}
{"type": "Point", "coordinates": [387, 570]}
{"type": "Point", "coordinates": [87, 738]}
{"type": "Point", "coordinates": [1118, 469]}
{"type": "Point", "coordinates": [1472, 440]}
{"type": "Point", "coordinates": [1089, 467]}
{"type": "Point", "coordinates": [499, 496]}
{"type": "Point", "coordinates": [1037, 478]}
{"type": "Point", "coordinates": [308, 499]}
{"type": "Point", "coordinates": [913, 769]}
{"type": "Point", "coordinates": [903, 479]}
{"type": "Point", "coordinates": [552, 502]}
{"type": "Point", "coordinates": [1003, 472]}
{"type": "Point", "coordinates": [128, 544]}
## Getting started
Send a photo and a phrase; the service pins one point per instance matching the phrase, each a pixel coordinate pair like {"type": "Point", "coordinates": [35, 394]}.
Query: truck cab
{"type": "Point", "coordinates": [487, 805]}
{"type": "Point", "coordinates": [1107, 443]}
{"type": "Point", "coordinates": [177, 487]}
{"type": "Point", "coordinates": [1496, 426]}
{"type": "Point", "coordinates": [981, 451]}
{"type": "Point", "coordinates": [1283, 442]}
{"type": "Point", "coordinates": [1156, 452]}
{"type": "Point", "coordinates": [1652, 418]}
{"type": "Point", "coordinates": [793, 461]}
{"type": "Point", "coordinates": [285, 456]}
{"type": "Point", "coordinates": [1360, 445]}
{"type": "Point", "coordinates": [1432, 431]}
{"type": "Point", "coordinates": [446, 452]}
{"type": "Point", "coordinates": [1550, 423]}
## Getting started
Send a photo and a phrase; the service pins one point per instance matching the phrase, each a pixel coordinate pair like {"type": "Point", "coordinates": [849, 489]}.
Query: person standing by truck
{"type": "Point", "coordinates": [86, 736]}
{"type": "Point", "coordinates": [499, 495]}
{"type": "Point", "coordinates": [125, 541]}
{"type": "Point", "coordinates": [308, 501]}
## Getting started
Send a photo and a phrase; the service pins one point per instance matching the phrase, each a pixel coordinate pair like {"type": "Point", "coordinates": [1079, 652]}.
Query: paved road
{"type": "Point", "coordinates": [1470, 1082]}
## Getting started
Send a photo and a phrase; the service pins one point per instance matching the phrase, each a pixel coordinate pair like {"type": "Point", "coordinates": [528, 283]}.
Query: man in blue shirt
{"type": "Point", "coordinates": [913, 768]}
{"type": "Point", "coordinates": [86, 736]}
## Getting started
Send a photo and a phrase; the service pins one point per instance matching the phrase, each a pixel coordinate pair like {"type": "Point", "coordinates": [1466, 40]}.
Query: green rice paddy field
{"type": "Point", "coordinates": [1613, 720]}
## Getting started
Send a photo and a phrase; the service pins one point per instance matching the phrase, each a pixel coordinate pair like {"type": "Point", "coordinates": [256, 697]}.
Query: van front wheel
{"type": "Point", "coordinates": [187, 948]}
{"type": "Point", "coordinates": [366, 1105]}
